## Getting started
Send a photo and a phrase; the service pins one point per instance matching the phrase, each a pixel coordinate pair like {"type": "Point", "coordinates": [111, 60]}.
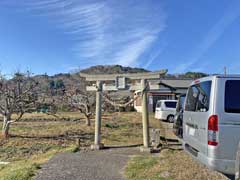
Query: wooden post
{"type": "Point", "coordinates": [97, 140]}
{"type": "Point", "coordinates": [145, 119]}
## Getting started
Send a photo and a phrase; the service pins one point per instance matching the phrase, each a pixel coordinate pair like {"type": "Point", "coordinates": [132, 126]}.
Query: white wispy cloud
{"type": "Point", "coordinates": [129, 54]}
{"type": "Point", "coordinates": [154, 55]}
{"type": "Point", "coordinates": [105, 31]}
{"type": "Point", "coordinates": [212, 36]}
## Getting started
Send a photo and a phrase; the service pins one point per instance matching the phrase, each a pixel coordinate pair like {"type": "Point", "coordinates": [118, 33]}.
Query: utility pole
{"type": "Point", "coordinates": [225, 71]}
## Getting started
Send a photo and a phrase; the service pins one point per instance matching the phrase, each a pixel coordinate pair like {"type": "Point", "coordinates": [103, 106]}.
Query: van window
{"type": "Point", "coordinates": [232, 96]}
{"type": "Point", "coordinates": [180, 103]}
{"type": "Point", "coordinates": [182, 100]}
{"type": "Point", "coordinates": [170, 104]}
{"type": "Point", "coordinates": [198, 97]}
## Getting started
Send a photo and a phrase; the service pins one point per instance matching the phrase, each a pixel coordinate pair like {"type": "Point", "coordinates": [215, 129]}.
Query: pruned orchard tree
{"type": "Point", "coordinates": [82, 102]}
{"type": "Point", "coordinates": [17, 96]}
{"type": "Point", "coordinates": [48, 104]}
{"type": "Point", "coordinates": [49, 101]}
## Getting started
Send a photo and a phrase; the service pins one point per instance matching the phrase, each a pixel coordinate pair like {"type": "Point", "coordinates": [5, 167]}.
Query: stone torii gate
{"type": "Point", "coordinates": [122, 82]}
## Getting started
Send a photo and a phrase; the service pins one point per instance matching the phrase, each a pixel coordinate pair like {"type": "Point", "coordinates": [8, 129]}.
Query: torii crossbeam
{"type": "Point", "coordinates": [122, 82]}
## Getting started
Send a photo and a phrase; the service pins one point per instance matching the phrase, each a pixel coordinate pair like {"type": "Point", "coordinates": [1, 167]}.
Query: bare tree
{"type": "Point", "coordinates": [82, 102]}
{"type": "Point", "coordinates": [17, 96]}
{"type": "Point", "coordinates": [51, 98]}
{"type": "Point", "coordinates": [48, 104]}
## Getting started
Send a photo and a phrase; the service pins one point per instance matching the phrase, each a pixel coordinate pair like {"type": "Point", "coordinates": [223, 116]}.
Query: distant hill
{"type": "Point", "coordinates": [74, 80]}
{"type": "Point", "coordinates": [60, 80]}
{"type": "Point", "coordinates": [112, 69]}
{"type": "Point", "coordinates": [188, 75]}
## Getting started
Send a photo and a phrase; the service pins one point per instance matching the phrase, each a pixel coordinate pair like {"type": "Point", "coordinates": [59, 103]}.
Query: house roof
{"type": "Point", "coordinates": [175, 83]}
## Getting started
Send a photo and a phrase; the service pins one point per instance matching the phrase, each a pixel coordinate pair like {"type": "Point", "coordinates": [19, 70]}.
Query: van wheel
{"type": "Point", "coordinates": [237, 164]}
{"type": "Point", "coordinates": [170, 118]}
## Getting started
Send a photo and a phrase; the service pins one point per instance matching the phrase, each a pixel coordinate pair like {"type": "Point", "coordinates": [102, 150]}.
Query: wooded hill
{"type": "Point", "coordinates": [74, 80]}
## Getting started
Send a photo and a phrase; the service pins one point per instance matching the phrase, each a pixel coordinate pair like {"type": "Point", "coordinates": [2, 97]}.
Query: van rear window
{"type": "Point", "coordinates": [198, 97]}
{"type": "Point", "coordinates": [169, 104]}
{"type": "Point", "coordinates": [232, 96]}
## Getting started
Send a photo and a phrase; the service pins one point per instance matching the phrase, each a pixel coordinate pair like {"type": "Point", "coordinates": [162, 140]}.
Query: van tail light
{"type": "Point", "coordinates": [213, 130]}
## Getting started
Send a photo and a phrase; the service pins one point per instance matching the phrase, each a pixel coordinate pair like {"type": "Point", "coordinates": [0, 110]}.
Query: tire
{"type": "Point", "coordinates": [237, 164]}
{"type": "Point", "coordinates": [170, 118]}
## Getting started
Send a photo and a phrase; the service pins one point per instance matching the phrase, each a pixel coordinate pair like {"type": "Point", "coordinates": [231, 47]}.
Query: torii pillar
{"type": "Point", "coordinates": [145, 118]}
{"type": "Point", "coordinates": [97, 138]}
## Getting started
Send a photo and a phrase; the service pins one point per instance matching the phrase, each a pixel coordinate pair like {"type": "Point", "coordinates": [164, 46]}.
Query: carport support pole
{"type": "Point", "coordinates": [97, 140]}
{"type": "Point", "coordinates": [145, 119]}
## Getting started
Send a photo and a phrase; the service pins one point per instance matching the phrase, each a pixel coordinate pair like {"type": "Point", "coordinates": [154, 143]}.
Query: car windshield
{"type": "Point", "coordinates": [232, 96]}
{"type": "Point", "coordinates": [170, 104]}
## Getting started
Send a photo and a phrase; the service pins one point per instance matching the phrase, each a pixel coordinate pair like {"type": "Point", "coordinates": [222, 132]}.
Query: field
{"type": "Point", "coordinates": [38, 137]}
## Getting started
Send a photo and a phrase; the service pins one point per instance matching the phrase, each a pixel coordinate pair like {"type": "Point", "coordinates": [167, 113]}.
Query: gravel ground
{"type": "Point", "coordinates": [99, 165]}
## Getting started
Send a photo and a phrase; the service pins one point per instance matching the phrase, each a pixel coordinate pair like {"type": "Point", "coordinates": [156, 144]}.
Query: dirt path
{"type": "Point", "coordinates": [101, 165]}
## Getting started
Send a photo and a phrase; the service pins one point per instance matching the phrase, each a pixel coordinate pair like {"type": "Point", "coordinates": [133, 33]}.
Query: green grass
{"type": "Point", "coordinates": [19, 173]}
{"type": "Point", "coordinates": [144, 168]}
{"type": "Point", "coordinates": [25, 169]}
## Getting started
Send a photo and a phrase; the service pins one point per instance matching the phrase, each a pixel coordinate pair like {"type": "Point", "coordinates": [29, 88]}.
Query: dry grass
{"type": "Point", "coordinates": [170, 164]}
{"type": "Point", "coordinates": [36, 136]}
{"type": "Point", "coordinates": [36, 139]}
{"type": "Point", "coordinates": [31, 138]}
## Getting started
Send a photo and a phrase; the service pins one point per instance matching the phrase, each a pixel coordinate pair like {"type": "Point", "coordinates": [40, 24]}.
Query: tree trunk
{"type": "Point", "coordinates": [88, 122]}
{"type": "Point", "coordinates": [5, 127]}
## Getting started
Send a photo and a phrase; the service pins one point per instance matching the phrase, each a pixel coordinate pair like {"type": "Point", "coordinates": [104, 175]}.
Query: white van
{"type": "Point", "coordinates": [165, 110]}
{"type": "Point", "coordinates": [211, 121]}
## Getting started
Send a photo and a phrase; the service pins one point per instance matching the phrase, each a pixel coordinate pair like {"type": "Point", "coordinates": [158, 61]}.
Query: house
{"type": "Point", "coordinates": [162, 89]}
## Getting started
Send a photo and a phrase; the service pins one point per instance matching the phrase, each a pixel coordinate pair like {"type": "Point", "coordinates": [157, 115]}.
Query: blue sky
{"type": "Point", "coordinates": [53, 36]}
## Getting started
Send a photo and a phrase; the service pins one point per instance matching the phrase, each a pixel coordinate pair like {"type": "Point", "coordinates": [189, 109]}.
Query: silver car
{"type": "Point", "coordinates": [211, 122]}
